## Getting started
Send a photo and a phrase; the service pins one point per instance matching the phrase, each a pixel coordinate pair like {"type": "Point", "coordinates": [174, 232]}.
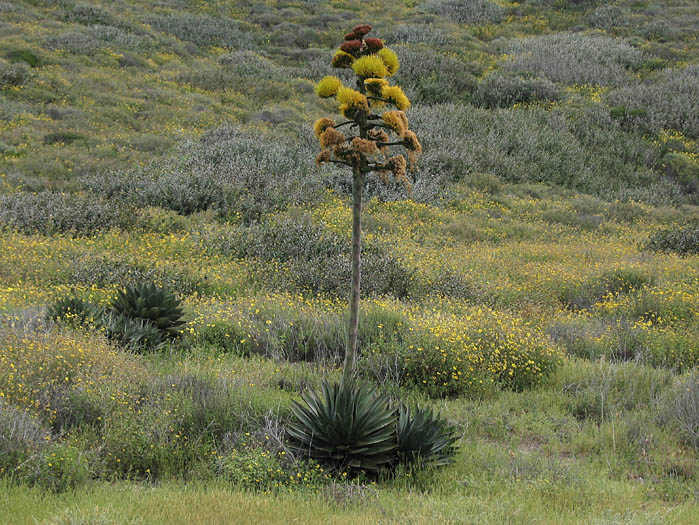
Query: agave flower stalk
{"type": "Point", "coordinates": [368, 151]}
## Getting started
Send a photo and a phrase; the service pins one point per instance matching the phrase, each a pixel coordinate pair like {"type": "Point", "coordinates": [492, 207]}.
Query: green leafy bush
{"type": "Point", "coordinates": [677, 239]}
{"type": "Point", "coordinates": [619, 281]}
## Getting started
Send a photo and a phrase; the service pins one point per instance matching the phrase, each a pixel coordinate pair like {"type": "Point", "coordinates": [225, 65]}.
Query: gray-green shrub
{"type": "Point", "coordinates": [230, 170]}
{"type": "Point", "coordinates": [572, 58]}
{"type": "Point", "coordinates": [13, 74]}
{"type": "Point", "coordinates": [582, 149]}
{"type": "Point", "coordinates": [21, 435]}
{"type": "Point", "coordinates": [668, 100]}
{"type": "Point", "coordinates": [203, 30]}
{"type": "Point", "coordinates": [49, 213]}
{"type": "Point", "coordinates": [504, 90]}
{"type": "Point", "coordinates": [466, 11]}
{"type": "Point", "coordinates": [430, 77]}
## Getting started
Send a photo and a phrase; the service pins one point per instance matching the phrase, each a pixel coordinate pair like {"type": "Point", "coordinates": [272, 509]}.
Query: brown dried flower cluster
{"type": "Point", "coordinates": [364, 146]}
{"type": "Point", "coordinates": [331, 137]}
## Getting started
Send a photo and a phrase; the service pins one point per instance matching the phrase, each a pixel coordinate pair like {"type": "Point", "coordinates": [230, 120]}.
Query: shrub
{"type": "Point", "coordinates": [466, 11]}
{"type": "Point", "coordinates": [203, 30]}
{"type": "Point", "coordinates": [104, 271]}
{"type": "Point", "coordinates": [430, 77]}
{"type": "Point", "coordinates": [230, 170]}
{"type": "Point", "coordinates": [681, 408]}
{"type": "Point", "coordinates": [345, 426]}
{"type": "Point", "coordinates": [573, 148]}
{"type": "Point", "coordinates": [58, 468]}
{"type": "Point", "coordinates": [684, 169]}
{"type": "Point", "coordinates": [248, 64]}
{"type": "Point", "coordinates": [665, 101]}
{"type": "Point", "coordinates": [23, 55]}
{"type": "Point", "coordinates": [683, 240]}
{"type": "Point", "coordinates": [315, 259]}
{"type": "Point", "coordinates": [257, 468]}
{"type": "Point", "coordinates": [38, 368]}
{"type": "Point", "coordinates": [607, 17]}
{"type": "Point", "coordinates": [416, 34]}
{"type": "Point", "coordinates": [94, 38]}
{"type": "Point", "coordinates": [572, 58]}
{"type": "Point", "coordinates": [598, 391]}
{"type": "Point", "coordinates": [62, 137]}
{"type": "Point", "coordinates": [471, 354]}
{"type": "Point", "coordinates": [87, 15]}
{"type": "Point", "coordinates": [583, 295]}
{"type": "Point", "coordinates": [13, 74]}
{"type": "Point", "coordinates": [503, 91]}
{"type": "Point", "coordinates": [48, 213]}
{"type": "Point", "coordinates": [21, 436]}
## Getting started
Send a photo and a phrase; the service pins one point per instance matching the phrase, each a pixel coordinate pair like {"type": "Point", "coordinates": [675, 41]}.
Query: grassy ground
{"type": "Point", "coordinates": [540, 289]}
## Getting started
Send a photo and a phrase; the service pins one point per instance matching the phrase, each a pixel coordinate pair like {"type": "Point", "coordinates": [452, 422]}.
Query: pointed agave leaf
{"type": "Point", "coordinates": [344, 425]}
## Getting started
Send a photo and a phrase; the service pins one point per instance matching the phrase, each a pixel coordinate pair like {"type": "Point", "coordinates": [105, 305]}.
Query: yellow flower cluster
{"type": "Point", "coordinates": [395, 95]}
{"type": "Point", "coordinates": [370, 66]}
{"type": "Point", "coordinates": [390, 59]}
{"type": "Point", "coordinates": [328, 86]}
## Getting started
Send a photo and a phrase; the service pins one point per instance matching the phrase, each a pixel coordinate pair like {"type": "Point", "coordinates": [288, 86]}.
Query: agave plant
{"type": "Point", "coordinates": [75, 310]}
{"type": "Point", "coordinates": [150, 303]}
{"type": "Point", "coordinates": [346, 426]}
{"type": "Point", "coordinates": [424, 436]}
{"type": "Point", "coordinates": [136, 334]}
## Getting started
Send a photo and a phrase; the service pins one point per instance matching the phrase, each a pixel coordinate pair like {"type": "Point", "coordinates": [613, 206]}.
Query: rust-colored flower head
{"type": "Point", "coordinates": [398, 166]}
{"type": "Point", "coordinates": [411, 142]}
{"type": "Point", "coordinates": [353, 36]}
{"type": "Point", "coordinates": [397, 121]}
{"type": "Point", "coordinates": [373, 44]}
{"type": "Point", "coordinates": [331, 137]}
{"type": "Point", "coordinates": [346, 152]}
{"type": "Point", "coordinates": [351, 46]}
{"type": "Point", "coordinates": [323, 157]}
{"type": "Point", "coordinates": [361, 29]}
{"type": "Point", "coordinates": [380, 136]}
{"type": "Point", "coordinates": [320, 125]}
{"type": "Point", "coordinates": [364, 146]}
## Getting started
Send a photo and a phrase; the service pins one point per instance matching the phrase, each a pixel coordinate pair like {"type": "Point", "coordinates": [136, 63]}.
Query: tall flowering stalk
{"type": "Point", "coordinates": [374, 128]}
